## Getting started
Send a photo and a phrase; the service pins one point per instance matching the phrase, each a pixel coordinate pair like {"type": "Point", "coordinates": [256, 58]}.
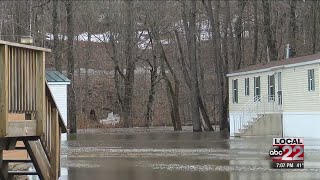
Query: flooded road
{"type": "Point", "coordinates": [177, 156]}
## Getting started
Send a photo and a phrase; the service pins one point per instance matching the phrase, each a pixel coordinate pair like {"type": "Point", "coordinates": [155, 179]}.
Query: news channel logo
{"type": "Point", "coordinates": [287, 153]}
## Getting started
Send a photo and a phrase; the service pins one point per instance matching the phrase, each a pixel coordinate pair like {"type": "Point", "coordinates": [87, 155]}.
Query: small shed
{"type": "Point", "coordinates": [58, 86]}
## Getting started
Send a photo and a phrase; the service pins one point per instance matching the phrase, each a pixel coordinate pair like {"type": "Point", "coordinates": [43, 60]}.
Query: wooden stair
{"type": "Point", "coordinates": [17, 160]}
{"type": "Point", "coordinates": [21, 173]}
{"type": "Point", "coordinates": [39, 158]}
{"type": "Point", "coordinates": [28, 112]}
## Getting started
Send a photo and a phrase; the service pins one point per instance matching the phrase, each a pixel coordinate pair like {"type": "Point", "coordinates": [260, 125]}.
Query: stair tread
{"type": "Point", "coordinates": [18, 160]}
{"type": "Point", "coordinates": [23, 173]}
{"type": "Point", "coordinates": [20, 148]}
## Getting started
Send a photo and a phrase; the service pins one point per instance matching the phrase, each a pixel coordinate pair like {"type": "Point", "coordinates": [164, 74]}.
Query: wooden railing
{"type": "Point", "coordinates": [22, 74]}
{"type": "Point", "coordinates": [22, 89]}
{"type": "Point", "coordinates": [25, 94]}
{"type": "Point", "coordinates": [52, 135]}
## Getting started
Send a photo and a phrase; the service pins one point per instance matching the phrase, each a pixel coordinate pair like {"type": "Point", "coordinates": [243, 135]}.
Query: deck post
{"type": "Point", "coordinates": [59, 152]}
{"type": "Point", "coordinates": [1, 158]}
{"type": "Point", "coordinates": [3, 167]}
{"type": "Point", "coordinates": [3, 90]}
{"type": "Point", "coordinates": [40, 93]}
{"type": "Point", "coordinates": [55, 156]}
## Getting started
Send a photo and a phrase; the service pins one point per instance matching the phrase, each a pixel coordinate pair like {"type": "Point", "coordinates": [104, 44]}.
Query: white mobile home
{"type": "Point", "coordinates": [279, 98]}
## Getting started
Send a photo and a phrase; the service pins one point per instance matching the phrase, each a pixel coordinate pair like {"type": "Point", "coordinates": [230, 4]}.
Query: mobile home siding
{"type": "Point", "coordinates": [242, 98]}
{"type": "Point", "coordinates": [300, 107]}
{"type": "Point", "coordinates": [296, 96]}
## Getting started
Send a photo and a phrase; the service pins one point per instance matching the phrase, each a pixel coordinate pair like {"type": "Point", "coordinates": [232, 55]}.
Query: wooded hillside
{"type": "Point", "coordinates": [159, 62]}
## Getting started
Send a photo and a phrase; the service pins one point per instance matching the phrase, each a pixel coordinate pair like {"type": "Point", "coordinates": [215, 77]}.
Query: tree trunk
{"type": "Point", "coordinates": [80, 91]}
{"type": "Point", "coordinates": [191, 54]}
{"type": "Point", "coordinates": [226, 70]}
{"type": "Point", "coordinates": [129, 75]}
{"type": "Point", "coordinates": [292, 27]}
{"type": "Point", "coordinates": [151, 98]}
{"type": "Point", "coordinates": [231, 34]}
{"type": "Point", "coordinates": [239, 32]}
{"type": "Point", "coordinates": [86, 81]}
{"type": "Point", "coordinates": [118, 73]}
{"type": "Point", "coordinates": [149, 113]}
{"type": "Point", "coordinates": [17, 25]}
{"type": "Point", "coordinates": [314, 26]}
{"type": "Point", "coordinates": [194, 70]}
{"type": "Point", "coordinates": [71, 94]}
{"type": "Point", "coordinates": [172, 88]}
{"type": "Point", "coordinates": [187, 79]}
{"type": "Point", "coordinates": [256, 35]}
{"type": "Point", "coordinates": [271, 41]}
{"type": "Point", "coordinates": [220, 74]}
{"type": "Point", "coordinates": [55, 32]}
{"type": "Point", "coordinates": [172, 93]}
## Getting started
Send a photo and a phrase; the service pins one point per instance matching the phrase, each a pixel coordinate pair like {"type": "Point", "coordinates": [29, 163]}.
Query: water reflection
{"type": "Point", "coordinates": [178, 156]}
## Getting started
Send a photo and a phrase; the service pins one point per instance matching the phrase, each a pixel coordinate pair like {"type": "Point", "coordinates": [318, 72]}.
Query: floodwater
{"type": "Point", "coordinates": [178, 156]}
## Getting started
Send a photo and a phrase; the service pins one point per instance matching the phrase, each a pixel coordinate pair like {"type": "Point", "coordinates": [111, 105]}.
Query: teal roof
{"type": "Point", "coordinates": [56, 76]}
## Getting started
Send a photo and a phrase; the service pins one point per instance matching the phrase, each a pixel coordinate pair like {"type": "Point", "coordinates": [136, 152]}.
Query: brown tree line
{"type": "Point", "coordinates": [150, 61]}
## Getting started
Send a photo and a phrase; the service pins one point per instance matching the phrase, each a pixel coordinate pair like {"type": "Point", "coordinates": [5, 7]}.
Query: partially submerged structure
{"type": "Point", "coordinates": [28, 112]}
{"type": "Point", "coordinates": [58, 85]}
{"type": "Point", "coordinates": [279, 98]}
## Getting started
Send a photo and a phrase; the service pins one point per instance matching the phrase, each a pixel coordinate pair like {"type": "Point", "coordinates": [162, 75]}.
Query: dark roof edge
{"type": "Point", "coordinates": [262, 67]}
{"type": "Point", "coordinates": [56, 77]}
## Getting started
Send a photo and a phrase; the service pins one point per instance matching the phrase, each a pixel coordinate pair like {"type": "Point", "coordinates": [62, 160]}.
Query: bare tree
{"type": "Point", "coordinates": [173, 89]}
{"type": "Point", "coordinates": [130, 62]}
{"type": "Point", "coordinates": [268, 30]}
{"type": "Point", "coordinates": [71, 94]}
{"type": "Point", "coordinates": [193, 68]}
{"type": "Point", "coordinates": [292, 26]}
{"type": "Point", "coordinates": [315, 18]}
{"type": "Point", "coordinates": [239, 34]}
{"type": "Point", "coordinates": [86, 66]}
{"type": "Point", "coordinates": [153, 81]}
{"type": "Point", "coordinates": [55, 32]}
{"type": "Point", "coordinates": [206, 120]}
{"type": "Point", "coordinates": [256, 33]}
{"type": "Point", "coordinates": [220, 73]}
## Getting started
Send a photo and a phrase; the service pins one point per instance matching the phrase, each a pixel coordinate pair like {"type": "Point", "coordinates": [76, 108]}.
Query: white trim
{"type": "Point", "coordinates": [275, 68]}
{"type": "Point", "coordinates": [267, 112]}
{"type": "Point", "coordinates": [301, 113]}
{"type": "Point", "coordinates": [58, 83]}
{"type": "Point", "coordinates": [285, 113]}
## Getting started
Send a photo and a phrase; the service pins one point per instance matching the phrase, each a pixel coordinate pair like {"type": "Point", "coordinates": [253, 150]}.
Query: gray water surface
{"type": "Point", "coordinates": [177, 156]}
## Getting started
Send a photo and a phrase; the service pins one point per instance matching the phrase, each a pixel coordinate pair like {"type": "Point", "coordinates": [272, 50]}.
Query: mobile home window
{"type": "Point", "coordinates": [246, 86]}
{"type": "Point", "coordinates": [256, 86]}
{"type": "Point", "coordinates": [271, 88]}
{"type": "Point", "coordinates": [311, 81]}
{"type": "Point", "coordinates": [235, 91]}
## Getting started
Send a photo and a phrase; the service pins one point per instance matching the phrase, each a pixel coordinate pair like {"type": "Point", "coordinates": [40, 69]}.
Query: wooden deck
{"type": "Point", "coordinates": [20, 153]}
{"type": "Point", "coordinates": [30, 123]}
